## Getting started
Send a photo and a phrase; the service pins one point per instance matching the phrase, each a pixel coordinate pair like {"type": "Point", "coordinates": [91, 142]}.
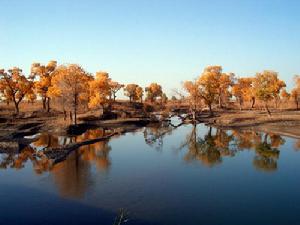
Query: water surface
{"type": "Point", "coordinates": [159, 175]}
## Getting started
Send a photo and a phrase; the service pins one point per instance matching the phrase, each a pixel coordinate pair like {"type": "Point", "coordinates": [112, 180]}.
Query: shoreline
{"type": "Point", "coordinates": [12, 134]}
{"type": "Point", "coordinates": [286, 123]}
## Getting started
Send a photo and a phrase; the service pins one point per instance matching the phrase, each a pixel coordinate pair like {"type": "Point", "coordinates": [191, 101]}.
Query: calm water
{"type": "Point", "coordinates": [159, 175]}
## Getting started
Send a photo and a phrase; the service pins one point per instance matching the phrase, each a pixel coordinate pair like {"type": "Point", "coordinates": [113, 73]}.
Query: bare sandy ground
{"type": "Point", "coordinates": [286, 123]}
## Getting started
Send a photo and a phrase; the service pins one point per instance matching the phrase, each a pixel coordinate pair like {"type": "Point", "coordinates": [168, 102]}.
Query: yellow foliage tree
{"type": "Point", "coordinates": [225, 81]}
{"type": "Point", "coordinates": [268, 87]}
{"type": "Point", "coordinates": [164, 98]}
{"type": "Point", "coordinates": [242, 90]}
{"type": "Point", "coordinates": [100, 90]}
{"type": "Point", "coordinates": [6, 94]}
{"type": "Point", "coordinates": [295, 93]}
{"type": "Point", "coordinates": [15, 85]}
{"type": "Point", "coordinates": [31, 96]}
{"type": "Point", "coordinates": [209, 85]}
{"type": "Point", "coordinates": [132, 91]}
{"type": "Point", "coordinates": [194, 96]}
{"type": "Point", "coordinates": [154, 90]}
{"type": "Point", "coordinates": [45, 74]}
{"type": "Point", "coordinates": [72, 82]}
{"type": "Point", "coordinates": [285, 95]}
{"type": "Point", "coordinates": [139, 93]}
{"type": "Point", "coordinates": [114, 88]}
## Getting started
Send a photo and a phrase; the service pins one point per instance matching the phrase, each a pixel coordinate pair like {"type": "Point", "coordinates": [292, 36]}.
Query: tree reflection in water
{"type": "Point", "coordinates": [47, 140]}
{"type": "Point", "coordinates": [209, 149]}
{"type": "Point", "coordinates": [17, 161]}
{"type": "Point", "coordinates": [97, 153]}
{"type": "Point", "coordinates": [155, 134]}
{"type": "Point", "coordinates": [71, 176]}
{"type": "Point", "coordinates": [267, 153]}
{"type": "Point", "coordinates": [213, 146]}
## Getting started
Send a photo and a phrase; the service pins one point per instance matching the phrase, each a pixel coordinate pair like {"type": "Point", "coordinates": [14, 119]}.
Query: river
{"type": "Point", "coordinates": [157, 175]}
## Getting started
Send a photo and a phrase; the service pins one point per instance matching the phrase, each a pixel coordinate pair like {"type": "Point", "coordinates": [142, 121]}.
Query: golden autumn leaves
{"type": "Point", "coordinates": [44, 74]}
{"type": "Point", "coordinates": [210, 87]}
{"type": "Point", "coordinates": [100, 89]}
{"type": "Point", "coordinates": [14, 86]}
{"type": "Point", "coordinates": [133, 91]}
{"type": "Point", "coordinates": [267, 86]}
{"type": "Point", "coordinates": [71, 85]}
{"type": "Point", "coordinates": [295, 93]}
{"type": "Point", "coordinates": [214, 86]}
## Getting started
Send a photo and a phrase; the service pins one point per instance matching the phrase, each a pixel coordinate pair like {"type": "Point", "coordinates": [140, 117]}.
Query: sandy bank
{"type": "Point", "coordinates": [285, 123]}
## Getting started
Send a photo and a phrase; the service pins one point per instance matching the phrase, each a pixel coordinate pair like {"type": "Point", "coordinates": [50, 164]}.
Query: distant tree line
{"type": "Point", "coordinates": [71, 85]}
{"type": "Point", "coordinates": [214, 86]}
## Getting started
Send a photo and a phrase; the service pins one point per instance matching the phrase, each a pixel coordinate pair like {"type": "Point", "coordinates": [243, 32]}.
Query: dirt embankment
{"type": "Point", "coordinates": [282, 122]}
{"type": "Point", "coordinates": [15, 133]}
{"type": "Point", "coordinates": [57, 122]}
{"type": "Point", "coordinates": [289, 128]}
{"type": "Point", "coordinates": [14, 130]}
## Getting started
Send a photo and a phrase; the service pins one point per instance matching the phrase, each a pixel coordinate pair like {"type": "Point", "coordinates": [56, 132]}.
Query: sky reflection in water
{"type": "Point", "coordinates": [161, 175]}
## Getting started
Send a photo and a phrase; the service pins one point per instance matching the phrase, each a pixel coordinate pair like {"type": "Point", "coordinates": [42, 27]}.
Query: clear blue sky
{"type": "Point", "coordinates": [142, 41]}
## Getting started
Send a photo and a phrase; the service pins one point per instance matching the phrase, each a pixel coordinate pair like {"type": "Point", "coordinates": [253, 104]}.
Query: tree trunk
{"type": "Point", "coordinates": [109, 106]}
{"type": "Point", "coordinates": [267, 109]}
{"type": "Point", "coordinates": [16, 107]}
{"type": "Point", "coordinates": [276, 103]}
{"type": "Point", "coordinates": [44, 103]}
{"type": "Point", "coordinates": [75, 116]}
{"type": "Point", "coordinates": [210, 110]}
{"type": "Point", "coordinates": [240, 101]}
{"type": "Point", "coordinates": [194, 116]}
{"type": "Point", "coordinates": [48, 104]}
{"type": "Point", "coordinates": [209, 132]}
{"type": "Point", "coordinates": [71, 116]}
{"type": "Point", "coordinates": [102, 110]}
{"type": "Point", "coordinates": [65, 115]}
{"type": "Point", "coordinates": [193, 137]}
{"type": "Point", "coordinates": [75, 109]}
{"type": "Point", "coordinates": [220, 101]}
{"type": "Point", "coordinates": [265, 138]}
{"type": "Point", "coordinates": [253, 102]}
{"type": "Point", "coordinates": [195, 134]}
